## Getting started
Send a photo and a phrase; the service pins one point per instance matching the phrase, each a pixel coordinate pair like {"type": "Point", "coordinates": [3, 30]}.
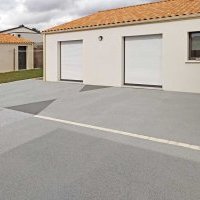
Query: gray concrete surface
{"type": "Point", "coordinates": [167, 115]}
{"type": "Point", "coordinates": [47, 160]}
{"type": "Point", "coordinates": [70, 165]}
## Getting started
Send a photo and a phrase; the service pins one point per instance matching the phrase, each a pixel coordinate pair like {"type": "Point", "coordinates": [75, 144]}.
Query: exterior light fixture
{"type": "Point", "coordinates": [100, 38]}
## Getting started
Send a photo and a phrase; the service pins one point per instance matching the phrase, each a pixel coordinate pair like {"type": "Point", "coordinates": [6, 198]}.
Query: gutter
{"type": "Point", "coordinates": [44, 57]}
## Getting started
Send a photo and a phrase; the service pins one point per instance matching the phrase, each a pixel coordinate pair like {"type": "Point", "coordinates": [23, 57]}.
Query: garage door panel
{"type": "Point", "coordinates": [143, 60]}
{"type": "Point", "coordinates": [71, 60]}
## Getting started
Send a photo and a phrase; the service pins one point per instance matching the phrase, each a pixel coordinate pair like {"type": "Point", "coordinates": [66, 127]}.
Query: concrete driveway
{"type": "Point", "coordinates": [70, 141]}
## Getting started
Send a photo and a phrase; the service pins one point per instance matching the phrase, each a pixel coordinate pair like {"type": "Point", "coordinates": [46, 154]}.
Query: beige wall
{"type": "Point", "coordinates": [30, 58]}
{"type": "Point", "coordinates": [9, 57]}
{"type": "Point", "coordinates": [104, 61]}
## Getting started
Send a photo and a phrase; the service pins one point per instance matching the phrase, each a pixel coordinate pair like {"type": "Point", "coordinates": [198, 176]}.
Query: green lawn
{"type": "Point", "coordinates": [20, 75]}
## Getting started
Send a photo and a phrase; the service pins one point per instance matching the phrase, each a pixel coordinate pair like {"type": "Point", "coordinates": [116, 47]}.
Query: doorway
{"type": "Point", "coordinates": [22, 57]}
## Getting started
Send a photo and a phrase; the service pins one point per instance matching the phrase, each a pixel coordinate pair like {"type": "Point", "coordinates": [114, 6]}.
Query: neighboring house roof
{"type": "Point", "coordinates": [21, 26]}
{"type": "Point", "coordinates": [149, 12]}
{"type": "Point", "coordinates": [10, 39]}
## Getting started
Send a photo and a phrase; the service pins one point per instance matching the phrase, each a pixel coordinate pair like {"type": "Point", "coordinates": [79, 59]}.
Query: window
{"type": "Point", "coordinates": [194, 44]}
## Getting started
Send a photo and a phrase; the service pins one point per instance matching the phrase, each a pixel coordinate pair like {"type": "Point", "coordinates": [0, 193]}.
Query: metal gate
{"type": "Point", "coordinates": [22, 57]}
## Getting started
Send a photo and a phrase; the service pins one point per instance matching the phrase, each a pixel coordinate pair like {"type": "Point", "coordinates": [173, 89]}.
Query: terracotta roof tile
{"type": "Point", "coordinates": [129, 15]}
{"type": "Point", "coordinates": [10, 39]}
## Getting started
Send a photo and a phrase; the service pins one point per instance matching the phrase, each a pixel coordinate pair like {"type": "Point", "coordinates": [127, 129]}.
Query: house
{"type": "Point", "coordinates": [152, 45]}
{"type": "Point", "coordinates": [25, 32]}
{"type": "Point", "coordinates": [15, 53]}
{"type": "Point", "coordinates": [33, 35]}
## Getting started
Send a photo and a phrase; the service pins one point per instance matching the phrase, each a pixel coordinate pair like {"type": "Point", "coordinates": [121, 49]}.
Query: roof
{"type": "Point", "coordinates": [10, 39]}
{"type": "Point", "coordinates": [149, 12]}
{"type": "Point", "coordinates": [21, 26]}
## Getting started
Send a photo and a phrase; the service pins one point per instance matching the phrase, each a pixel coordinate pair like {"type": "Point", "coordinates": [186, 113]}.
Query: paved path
{"type": "Point", "coordinates": [50, 160]}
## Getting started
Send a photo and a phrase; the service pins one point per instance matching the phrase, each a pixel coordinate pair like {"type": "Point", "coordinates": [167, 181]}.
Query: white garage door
{"type": "Point", "coordinates": [71, 60]}
{"type": "Point", "coordinates": [143, 60]}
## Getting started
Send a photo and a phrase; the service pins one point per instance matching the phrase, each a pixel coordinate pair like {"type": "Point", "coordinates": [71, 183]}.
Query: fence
{"type": "Point", "coordinates": [38, 56]}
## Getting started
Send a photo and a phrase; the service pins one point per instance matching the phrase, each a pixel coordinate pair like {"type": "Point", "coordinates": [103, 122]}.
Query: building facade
{"type": "Point", "coordinates": [15, 53]}
{"type": "Point", "coordinates": [162, 52]}
{"type": "Point", "coordinates": [25, 32]}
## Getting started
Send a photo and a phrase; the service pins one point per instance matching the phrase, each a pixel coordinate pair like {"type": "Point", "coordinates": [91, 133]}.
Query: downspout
{"type": "Point", "coordinates": [44, 57]}
{"type": "Point", "coordinates": [14, 59]}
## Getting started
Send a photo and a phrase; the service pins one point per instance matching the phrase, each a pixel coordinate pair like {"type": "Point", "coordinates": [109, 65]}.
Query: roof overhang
{"type": "Point", "coordinates": [120, 24]}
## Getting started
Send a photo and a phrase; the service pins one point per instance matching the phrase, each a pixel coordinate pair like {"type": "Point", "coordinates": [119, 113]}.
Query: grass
{"type": "Point", "coordinates": [20, 75]}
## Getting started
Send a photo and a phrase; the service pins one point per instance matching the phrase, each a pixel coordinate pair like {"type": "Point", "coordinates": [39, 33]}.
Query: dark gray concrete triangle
{"type": "Point", "coordinates": [92, 87]}
{"type": "Point", "coordinates": [32, 108]}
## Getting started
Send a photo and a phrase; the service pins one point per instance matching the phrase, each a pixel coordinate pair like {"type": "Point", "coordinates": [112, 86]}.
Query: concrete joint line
{"type": "Point", "coordinates": [138, 136]}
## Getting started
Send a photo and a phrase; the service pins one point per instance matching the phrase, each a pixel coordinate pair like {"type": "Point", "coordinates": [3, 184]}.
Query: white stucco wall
{"type": "Point", "coordinates": [34, 37]}
{"type": "Point", "coordinates": [104, 61]}
{"type": "Point", "coordinates": [27, 34]}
